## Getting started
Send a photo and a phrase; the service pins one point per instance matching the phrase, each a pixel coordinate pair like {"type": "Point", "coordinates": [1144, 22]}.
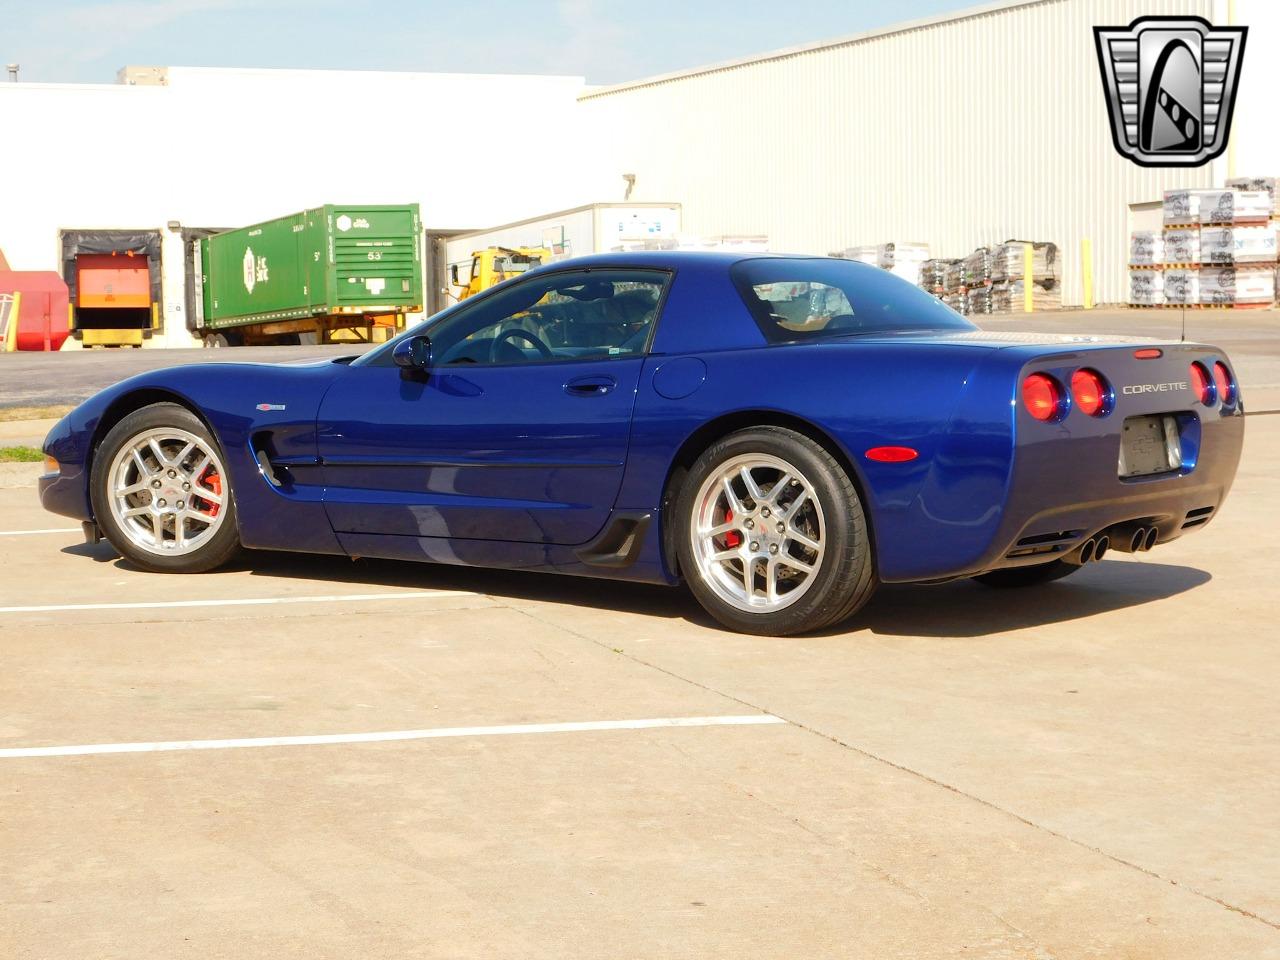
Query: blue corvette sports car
{"type": "Point", "coordinates": [780, 433]}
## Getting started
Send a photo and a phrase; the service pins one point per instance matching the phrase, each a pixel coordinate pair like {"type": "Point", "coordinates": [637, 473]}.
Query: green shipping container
{"type": "Point", "coordinates": [330, 261]}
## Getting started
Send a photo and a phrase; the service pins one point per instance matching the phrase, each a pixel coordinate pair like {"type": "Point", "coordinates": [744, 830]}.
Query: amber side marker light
{"type": "Point", "coordinates": [1148, 353]}
{"type": "Point", "coordinates": [51, 465]}
{"type": "Point", "coordinates": [891, 454]}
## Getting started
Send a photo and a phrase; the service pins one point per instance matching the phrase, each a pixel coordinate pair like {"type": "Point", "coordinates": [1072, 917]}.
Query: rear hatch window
{"type": "Point", "coordinates": [794, 298]}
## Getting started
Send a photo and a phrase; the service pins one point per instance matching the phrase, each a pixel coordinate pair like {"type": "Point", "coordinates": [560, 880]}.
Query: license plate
{"type": "Point", "coordinates": [1150, 445]}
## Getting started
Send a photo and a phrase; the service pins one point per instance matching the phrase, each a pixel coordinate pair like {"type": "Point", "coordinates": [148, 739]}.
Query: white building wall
{"type": "Point", "coordinates": [955, 132]}
{"type": "Point", "coordinates": [225, 148]}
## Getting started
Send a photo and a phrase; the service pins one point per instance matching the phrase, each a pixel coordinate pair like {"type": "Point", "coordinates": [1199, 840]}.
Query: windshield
{"type": "Point", "coordinates": [804, 299]}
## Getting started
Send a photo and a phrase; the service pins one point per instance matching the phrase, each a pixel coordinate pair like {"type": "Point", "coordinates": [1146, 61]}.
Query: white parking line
{"type": "Point", "coordinates": [245, 601]}
{"type": "Point", "coordinates": [28, 533]}
{"type": "Point", "coordinates": [754, 719]}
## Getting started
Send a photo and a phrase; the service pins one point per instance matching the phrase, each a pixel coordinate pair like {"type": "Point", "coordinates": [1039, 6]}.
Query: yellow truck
{"type": "Point", "coordinates": [493, 265]}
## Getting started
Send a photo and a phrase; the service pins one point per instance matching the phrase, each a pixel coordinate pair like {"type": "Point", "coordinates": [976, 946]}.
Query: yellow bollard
{"type": "Point", "coordinates": [15, 318]}
{"type": "Point", "coordinates": [1086, 262]}
{"type": "Point", "coordinates": [1027, 305]}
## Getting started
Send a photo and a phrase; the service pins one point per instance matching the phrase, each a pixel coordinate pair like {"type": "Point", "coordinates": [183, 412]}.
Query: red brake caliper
{"type": "Point", "coordinates": [214, 482]}
{"type": "Point", "coordinates": [732, 538]}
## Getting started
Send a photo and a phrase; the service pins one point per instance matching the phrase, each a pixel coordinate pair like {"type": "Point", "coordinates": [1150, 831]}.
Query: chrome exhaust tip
{"type": "Point", "coordinates": [1103, 545]}
{"type": "Point", "coordinates": [1083, 554]}
{"type": "Point", "coordinates": [1150, 540]}
{"type": "Point", "coordinates": [1137, 541]}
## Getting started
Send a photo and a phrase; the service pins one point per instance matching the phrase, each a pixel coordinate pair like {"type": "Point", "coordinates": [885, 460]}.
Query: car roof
{"type": "Point", "coordinates": [673, 259]}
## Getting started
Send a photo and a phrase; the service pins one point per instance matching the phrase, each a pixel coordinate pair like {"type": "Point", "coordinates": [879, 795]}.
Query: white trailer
{"type": "Point", "coordinates": [593, 228]}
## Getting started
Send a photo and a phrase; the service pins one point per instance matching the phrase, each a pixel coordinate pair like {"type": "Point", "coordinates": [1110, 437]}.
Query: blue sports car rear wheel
{"type": "Point", "coordinates": [772, 538]}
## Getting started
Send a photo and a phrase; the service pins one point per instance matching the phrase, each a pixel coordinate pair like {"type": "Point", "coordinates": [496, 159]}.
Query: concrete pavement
{"type": "Point", "coordinates": [1084, 770]}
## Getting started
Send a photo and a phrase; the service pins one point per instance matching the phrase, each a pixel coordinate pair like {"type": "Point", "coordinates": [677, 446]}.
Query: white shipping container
{"type": "Point", "coordinates": [1146, 248]}
{"type": "Point", "coordinates": [1235, 206]}
{"type": "Point", "coordinates": [1238, 244]}
{"type": "Point", "coordinates": [1222, 285]}
{"type": "Point", "coordinates": [1182, 286]}
{"type": "Point", "coordinates": [1182, 245]}
{"type": "Point", "coordinates": [594, 228]}
{"type": "Point", "coordinates": [1146, 287]}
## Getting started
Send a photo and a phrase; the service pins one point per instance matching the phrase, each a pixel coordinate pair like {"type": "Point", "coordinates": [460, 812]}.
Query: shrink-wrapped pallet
{"type": "Point", "coordinates": [896, 254]}
{"type": "Point", "coordinates": [1146, 287]}
{"type": "Point", "coordinates": [1183, 206]}
{"type": "Point", "coordinates": [1235, 206]}
{"type": "Point", "coordinates": [933, 275]}
{"type": "Point", "coordinates": [977, 267]}
{"type": "Point", "coordinates": [1146, 248]}
{"type": "Point", "coordinates": [1182, 245]}
{"type": "Point", "coordinates": [1231, 285]}
{"type": "Point", "coordinates": [1007, 296]}
{"type": "Point", "coordinates": [1182, 286]}
{"type": "Point", "coordinates": [867, 253]}
{"type": "Point", "coordinates": [954, 276]}
{"type": "Point", "coordinates": [980, 300]}
{"type": "Point", "coordinates": [1007, 260]}
{"type": "Point", "coordinates": [1266, 185]}
{"type": "Point", "coordinates": [959, 302]}
{"type": "Point", "coordinates": [1238, 244]}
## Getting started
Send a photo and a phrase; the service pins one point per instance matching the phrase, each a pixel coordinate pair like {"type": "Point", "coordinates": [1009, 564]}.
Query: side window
{"type": "Point", "coordinates": [571, 315]}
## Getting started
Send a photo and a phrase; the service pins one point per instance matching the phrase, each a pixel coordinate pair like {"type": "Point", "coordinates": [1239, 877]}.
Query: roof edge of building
{"type": "Point", "coordinates": [785, 53]}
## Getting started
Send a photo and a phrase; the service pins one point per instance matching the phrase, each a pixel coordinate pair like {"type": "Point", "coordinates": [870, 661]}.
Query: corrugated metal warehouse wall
{"type": "Point", "coordinates": [956, 132]}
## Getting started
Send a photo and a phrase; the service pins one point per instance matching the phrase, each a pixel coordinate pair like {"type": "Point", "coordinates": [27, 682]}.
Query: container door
{"type": "Point", "coordinates": [519, 431]}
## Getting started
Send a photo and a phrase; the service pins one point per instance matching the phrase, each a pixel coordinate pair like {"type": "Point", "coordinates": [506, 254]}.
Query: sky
{"type": "Point", "coordinates": [87, 41]}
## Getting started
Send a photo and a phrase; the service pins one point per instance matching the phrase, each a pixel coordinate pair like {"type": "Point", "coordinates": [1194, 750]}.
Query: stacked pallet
{"type": "Point", "coordinates": [1216, 247]}
{"type": "Point", "coordinates": [1008, 274]}
{"type": "Point", "coordinates": [1009, 296]}
{"type": "Point", "coordinates": [933, 276]}
{"type": "Point", "coordinates": [901, 259]}
{"type": "Point", "coordinates": [977, 267]}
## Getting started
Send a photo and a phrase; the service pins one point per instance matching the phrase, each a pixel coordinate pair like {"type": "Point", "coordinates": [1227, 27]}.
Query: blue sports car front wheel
{"type": "Point", "coordinates": [772, 536]}
{"type": "Point", "coordinates": [161, 494]}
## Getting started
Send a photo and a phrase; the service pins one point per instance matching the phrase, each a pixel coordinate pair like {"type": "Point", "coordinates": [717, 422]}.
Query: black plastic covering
{"type": "Point", "coordinates": [189, 237]}
{"type": "Point", "coordinates": [141, 243]}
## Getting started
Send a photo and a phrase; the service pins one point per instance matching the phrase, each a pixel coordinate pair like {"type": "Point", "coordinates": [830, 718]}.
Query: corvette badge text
{"type": "Point", "coordinates": [1154, 387]}
{"type": "Point", "coordinates": [1170, 84]}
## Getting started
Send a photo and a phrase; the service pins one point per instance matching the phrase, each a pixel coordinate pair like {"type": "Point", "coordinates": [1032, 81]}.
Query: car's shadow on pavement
{"type": "Point", "coordinates": [959, 609]}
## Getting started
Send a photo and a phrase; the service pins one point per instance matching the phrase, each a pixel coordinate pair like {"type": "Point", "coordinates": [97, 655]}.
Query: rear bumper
{"type": "Point", "coordinates": [1063, 492]}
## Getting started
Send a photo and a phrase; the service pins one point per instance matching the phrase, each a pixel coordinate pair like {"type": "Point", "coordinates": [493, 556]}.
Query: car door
{"type": "Point", "coordinates": [518, 430]}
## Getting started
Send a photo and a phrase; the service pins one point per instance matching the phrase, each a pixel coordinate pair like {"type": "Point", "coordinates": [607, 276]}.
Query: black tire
{"type": "Point", "coordinates": [845, 578]}
{"type": "Point", "coordinates": [221, 546]}
{"type": "Point", "coordinates": [1032, 576]}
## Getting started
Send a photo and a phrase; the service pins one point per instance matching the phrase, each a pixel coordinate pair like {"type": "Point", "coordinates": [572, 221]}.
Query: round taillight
{"type": "Point", "coordinates": [1201, 383]}
{"type": "Point", "coordinates": [1225, 385]}
{"type": "Point", "coordinates": [1089, 392]}
{"type": "Point", "coordinates": [1041, 396]}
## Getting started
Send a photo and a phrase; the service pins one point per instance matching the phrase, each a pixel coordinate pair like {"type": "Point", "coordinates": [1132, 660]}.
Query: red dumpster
{"type": "Point", "coordinates": [42, 320]}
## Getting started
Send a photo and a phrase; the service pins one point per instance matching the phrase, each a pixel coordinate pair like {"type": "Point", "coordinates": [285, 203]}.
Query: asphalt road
{"type": "Point", "coordinates": [1081, 771]}
{"type": "Point", "coordinates": [1252, 338]}
{"type": "Point", "coordinates": [67, 377]}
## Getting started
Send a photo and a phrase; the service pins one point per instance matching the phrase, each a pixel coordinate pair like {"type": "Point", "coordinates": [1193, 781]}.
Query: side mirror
{"type": "Point", "coordinates": [453, 275]}
{"type": "Point", "coordinates": [413, 354]}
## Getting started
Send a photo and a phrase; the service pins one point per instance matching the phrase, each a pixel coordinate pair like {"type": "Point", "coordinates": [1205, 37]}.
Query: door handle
{"type": "Point", "coordinates": [590, 386]}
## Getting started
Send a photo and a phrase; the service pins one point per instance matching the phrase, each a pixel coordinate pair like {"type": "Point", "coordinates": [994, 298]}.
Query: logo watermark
{"type": "Point", "coordinates": [1171, 86]}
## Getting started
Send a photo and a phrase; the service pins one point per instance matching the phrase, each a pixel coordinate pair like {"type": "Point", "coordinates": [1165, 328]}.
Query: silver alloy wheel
{"type": "Point", "coordinates": [758, 533]}
{"type": "Point", "coordinates": [168, 491]}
